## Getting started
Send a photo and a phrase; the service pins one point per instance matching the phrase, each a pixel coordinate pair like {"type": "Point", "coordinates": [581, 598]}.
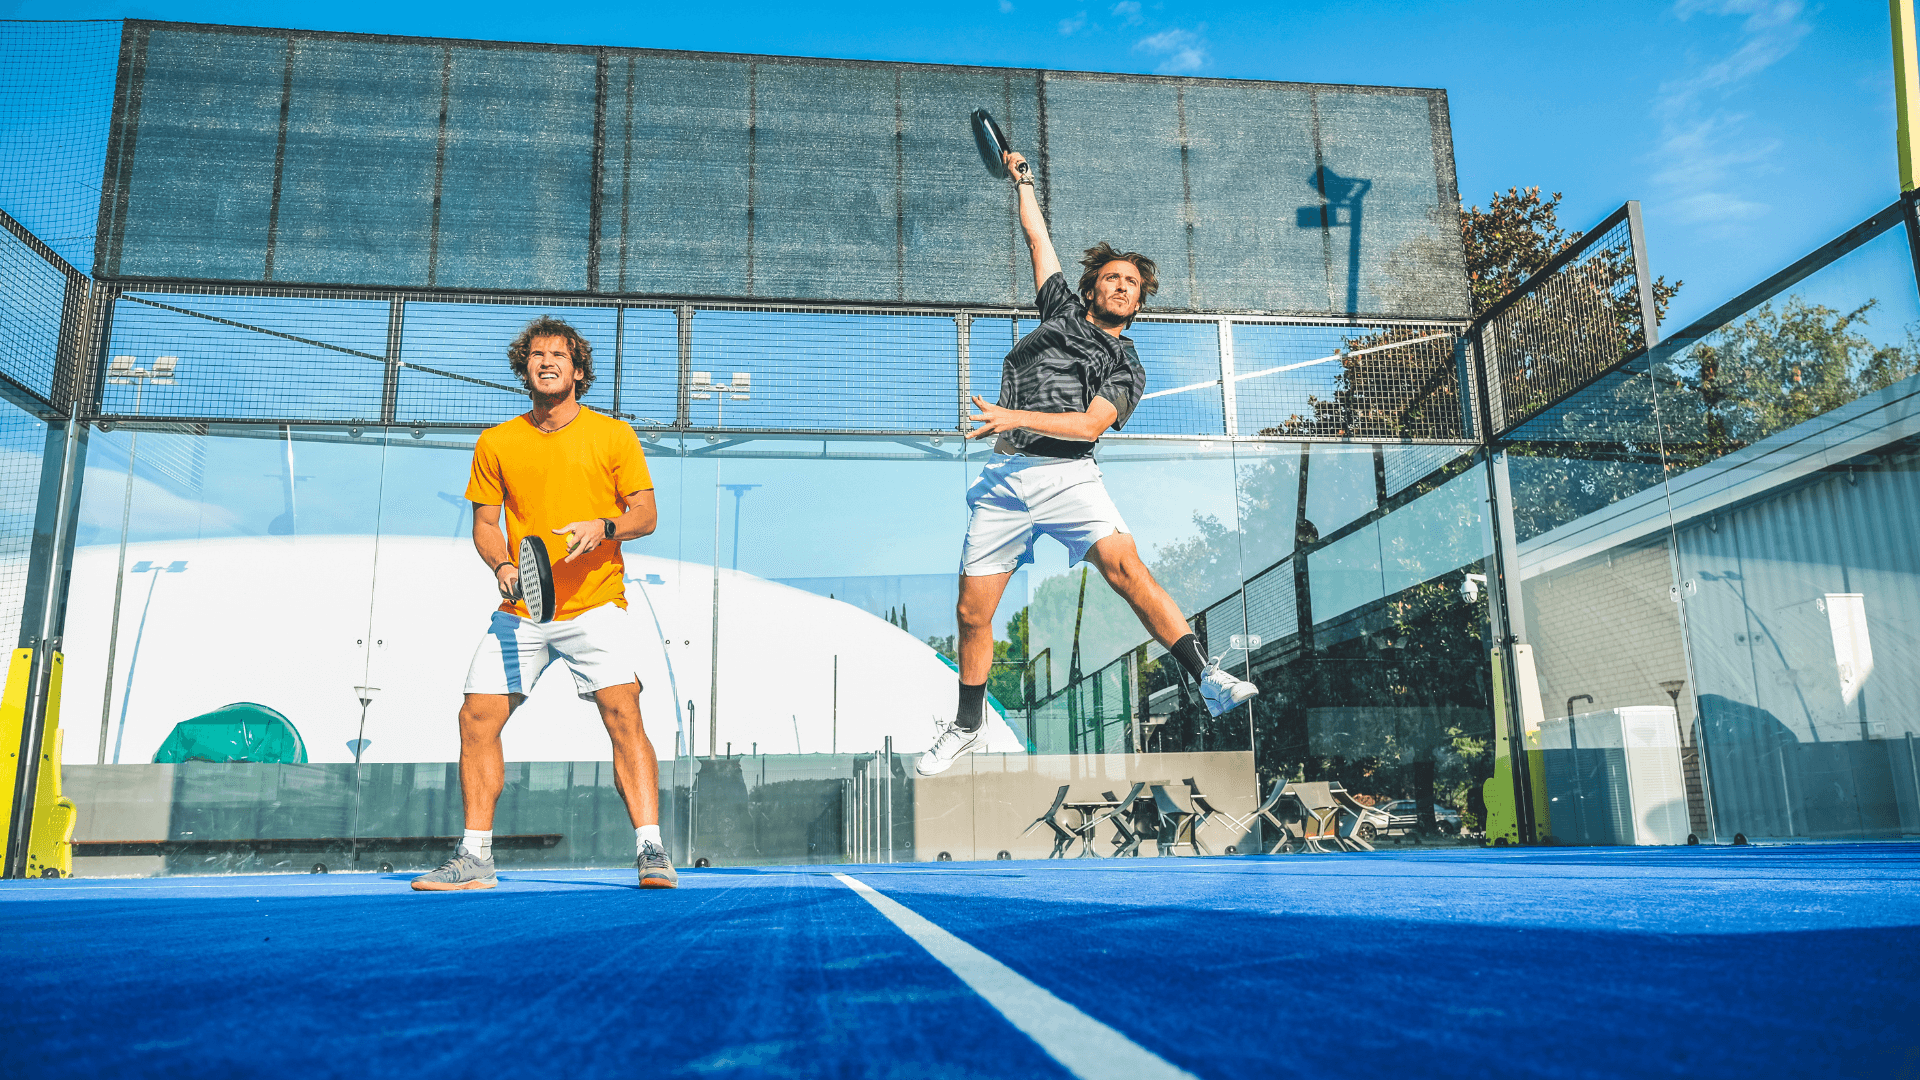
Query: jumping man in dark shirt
{"type": "Point", "coordinates": [1063, 385]}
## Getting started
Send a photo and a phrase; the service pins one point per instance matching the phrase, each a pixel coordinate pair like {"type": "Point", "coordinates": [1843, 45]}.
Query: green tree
{"type": "Point", "coordinates": [1400, 382]}
{"type": "Point", "coordinates": [1778, 367]}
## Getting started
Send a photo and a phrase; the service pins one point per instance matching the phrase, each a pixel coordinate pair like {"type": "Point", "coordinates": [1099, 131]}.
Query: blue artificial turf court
{"type": "Point", "coordinates": [1775, 961]}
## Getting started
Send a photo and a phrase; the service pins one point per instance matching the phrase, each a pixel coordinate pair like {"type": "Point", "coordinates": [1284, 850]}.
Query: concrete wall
{"type": "Point", "coordinates": [982, 806]}
{"type": "Point", "coordinates": [119, 802]}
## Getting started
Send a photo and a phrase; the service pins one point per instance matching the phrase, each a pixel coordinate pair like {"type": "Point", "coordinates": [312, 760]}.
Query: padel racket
{"type": "Point", "coordinates": [536, 579]}
{"type": "Point", "coordinates": [992, 143]}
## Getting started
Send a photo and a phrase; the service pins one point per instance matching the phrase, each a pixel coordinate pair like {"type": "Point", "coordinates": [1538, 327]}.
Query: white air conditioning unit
{"type": "Point", "coordinates": [1614, 777]}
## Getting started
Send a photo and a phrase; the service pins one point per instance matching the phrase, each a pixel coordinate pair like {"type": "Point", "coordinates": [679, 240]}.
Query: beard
{"type": "Point", "coordinates": [1104, 314]}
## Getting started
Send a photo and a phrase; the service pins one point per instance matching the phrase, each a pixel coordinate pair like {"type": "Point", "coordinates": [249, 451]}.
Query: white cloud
{"type": "Point", "coordinates": [1069, 26]}
{"type": "Point", "coordinates": [1706, 148]}
{"type": "Point", "coordinates": [1128, 11]}
{"type": "Point", "coordinates": [1185, 50]}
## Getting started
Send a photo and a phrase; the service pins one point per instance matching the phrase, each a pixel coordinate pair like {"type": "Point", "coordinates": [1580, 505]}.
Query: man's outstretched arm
{"type": "Point", "coordinates": [1039, 245]}
{"type": "Point", "coordinates": [1082, 426]}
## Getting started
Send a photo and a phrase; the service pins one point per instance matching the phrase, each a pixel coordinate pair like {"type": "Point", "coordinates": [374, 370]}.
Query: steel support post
{"type": "Point", "coordinates": [963, 344]}
{"type": "Point", "coordinates": [1228, 401]}
{"type": "Point", "coordinates": [44, 621]}
{"type": "Point", "coordinates": [683, 410]}
{"type": "Point", "coordinates": [390, 389]}
{"type": "Point", "coordinates": [1507, 621]}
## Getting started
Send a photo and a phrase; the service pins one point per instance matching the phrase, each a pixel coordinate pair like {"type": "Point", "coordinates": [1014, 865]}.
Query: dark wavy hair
{"type": "Point", "coordinates": [1103, 253]}
{"type": "Point", "coordinates": [548, 326]}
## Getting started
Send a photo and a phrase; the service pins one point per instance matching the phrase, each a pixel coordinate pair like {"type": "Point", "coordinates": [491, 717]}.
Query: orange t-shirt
{"type": "Point", "coordinates": [548, 480]}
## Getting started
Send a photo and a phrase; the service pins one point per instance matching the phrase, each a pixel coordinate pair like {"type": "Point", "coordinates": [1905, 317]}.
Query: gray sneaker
{"type": "Point", "coordinates": [463, 871]}
{"type": "Point", "coordinates": [656, 868]}
{"type": "Point", "coordinates": [952, 741]}
{"type": "Point", "coordinates": [1221, 691]}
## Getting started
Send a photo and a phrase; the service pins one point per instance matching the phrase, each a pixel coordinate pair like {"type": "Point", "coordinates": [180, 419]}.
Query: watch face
{"type": "Point", "coordinates": [608, 522]}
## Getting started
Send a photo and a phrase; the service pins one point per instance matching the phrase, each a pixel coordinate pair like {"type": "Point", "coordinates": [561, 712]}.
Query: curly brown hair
{"type": "Point", "coordinates": [548, 326]}
{"type": "Point", "coordinates": [1103, 253]}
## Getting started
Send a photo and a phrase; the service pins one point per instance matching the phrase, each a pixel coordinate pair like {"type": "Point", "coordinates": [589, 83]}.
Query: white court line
{"type": "Point", "coordinates": [1087, 1048]}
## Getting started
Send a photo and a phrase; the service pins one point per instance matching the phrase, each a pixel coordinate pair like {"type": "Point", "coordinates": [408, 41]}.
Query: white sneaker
{"type": "Point", "coordinates": [1222, 691]}
{"type": "Point", "coordinates": [951, 743]}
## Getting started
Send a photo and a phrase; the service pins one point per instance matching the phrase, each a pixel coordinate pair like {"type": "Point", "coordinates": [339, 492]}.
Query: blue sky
{"type": "Point", "coordinates": [1751, 130]}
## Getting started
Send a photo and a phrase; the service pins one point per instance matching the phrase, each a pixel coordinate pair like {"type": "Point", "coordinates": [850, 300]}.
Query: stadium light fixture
{"type": "Point", "coordinates": [702, 387]}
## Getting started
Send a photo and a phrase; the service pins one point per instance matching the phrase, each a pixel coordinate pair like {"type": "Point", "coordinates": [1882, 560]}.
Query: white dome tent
{"type": "Point", "coordinates": [299, 622]}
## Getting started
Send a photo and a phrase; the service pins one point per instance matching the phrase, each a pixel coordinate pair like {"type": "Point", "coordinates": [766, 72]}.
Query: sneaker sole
{"type": "Point", "coordinates": [658, 883]}
{"type": "Point", "coordinates": [920, 766]}
{"type": "Point", "coordinates": [1233, 703]}
{"type": "Point", "coordinates": [451, 886]}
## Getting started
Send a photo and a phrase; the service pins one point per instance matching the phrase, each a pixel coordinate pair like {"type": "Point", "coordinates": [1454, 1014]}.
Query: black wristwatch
{"type": "Point", "coordinates": [608, 522]}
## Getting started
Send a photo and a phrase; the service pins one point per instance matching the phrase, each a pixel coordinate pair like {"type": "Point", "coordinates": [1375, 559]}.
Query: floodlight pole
{"type": "Point", "coordinates": [133, 662]}
{"type": "Point", "coordinates": [739, 492]}
{"type": "Point", "coordinates": [123, 373]}
{"type": "Point", "coordinates": [701, 385]}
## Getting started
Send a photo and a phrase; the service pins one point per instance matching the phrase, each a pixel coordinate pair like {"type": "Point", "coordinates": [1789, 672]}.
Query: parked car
{"type": "Point", "coordinates": [1403, 819]}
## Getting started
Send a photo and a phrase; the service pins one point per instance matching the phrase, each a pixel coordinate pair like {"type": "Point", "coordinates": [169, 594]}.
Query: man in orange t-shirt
{"type": "Point", "coordinates": [577, 480]}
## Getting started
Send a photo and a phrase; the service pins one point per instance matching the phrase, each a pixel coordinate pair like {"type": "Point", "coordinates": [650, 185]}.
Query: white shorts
{"type": "Point", "coordinates": [597, 646]}
{"type": "Point", "coordinates": [1018, 499]}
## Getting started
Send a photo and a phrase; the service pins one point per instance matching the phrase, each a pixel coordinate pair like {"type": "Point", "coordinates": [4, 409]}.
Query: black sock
{"type": "Point", "coordinates": [1187, 651]}
{"type": "Point", "coordinates": [973, 703]}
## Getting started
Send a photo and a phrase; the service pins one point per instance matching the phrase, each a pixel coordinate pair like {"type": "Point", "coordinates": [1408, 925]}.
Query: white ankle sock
{"type": "Point", "coordinates": [644, 833]}
{"type": "Point", "coordinates": [478, 843]}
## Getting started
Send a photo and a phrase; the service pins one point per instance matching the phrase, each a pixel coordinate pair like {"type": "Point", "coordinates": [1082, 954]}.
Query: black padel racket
{"type": "Point", "coordinates": [536, 579]}
{"type": "Point", "coordinates": [992, 143]}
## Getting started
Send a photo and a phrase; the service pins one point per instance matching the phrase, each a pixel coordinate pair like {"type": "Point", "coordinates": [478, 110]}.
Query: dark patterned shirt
{"type": "Point", "coordinates": [1062, 365]}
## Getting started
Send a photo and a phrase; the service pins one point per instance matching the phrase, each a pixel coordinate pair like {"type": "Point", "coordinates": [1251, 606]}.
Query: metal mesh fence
{"type": "Point", "coordinates": [1224, 621]}
{"type": "Point", "coordinates": [825, 371]}
{"type": "Point", "coordinates": [455, 358]}
{"type": "Point", "coordinates": [1272, 613]}
{"type": "Point", "coordinates": [1569, 325]}
{"type": "Point", "coordinates": [23, 439]}
{"type": "Point", "coordinates": [1293, 379]}
{"type": "Point", "coordinates": [183, 355]}
{"type": "Point", "coordinates": [37, 294]}
{"type": "Point", "coordinates": [56, 106]}
{"type": "Point", "coordinates": [323, 357]}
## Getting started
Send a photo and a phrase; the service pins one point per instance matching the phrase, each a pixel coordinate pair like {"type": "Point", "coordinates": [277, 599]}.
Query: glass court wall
{"type": "Point", "coordinates": [1519, 581]}
{"type": "Point", "coordinates": [786, 699]}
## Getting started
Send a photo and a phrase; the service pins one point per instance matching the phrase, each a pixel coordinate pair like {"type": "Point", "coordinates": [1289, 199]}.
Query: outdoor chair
{"type": "Point", "coordinates": [1170, 821]}
{"type": "Point", "coordinates": [1319, 818]}
{"type": "Point", "coordinates": [1127, 828]}
{"type": "Point", "coordinates": [1063, 837]}
{"type": "Point", "coordinates": [1204, 811]}
{"type": "Point", "coordinates": [1356, 814]}
{"type": "Point", "coordinates": [1279, 812]}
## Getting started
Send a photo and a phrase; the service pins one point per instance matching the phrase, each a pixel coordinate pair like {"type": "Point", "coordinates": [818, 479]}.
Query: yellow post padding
{"type": "Point", "coordinates": [50, 846]}
{"type": "Point", "coordinates": [1906, 90]}
{"type": "Point", "coordinates": [1503, 814]}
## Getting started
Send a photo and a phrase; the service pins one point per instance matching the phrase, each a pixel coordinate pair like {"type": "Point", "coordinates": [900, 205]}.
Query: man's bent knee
{"type": "Point", "coordinates": [485, 714]}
